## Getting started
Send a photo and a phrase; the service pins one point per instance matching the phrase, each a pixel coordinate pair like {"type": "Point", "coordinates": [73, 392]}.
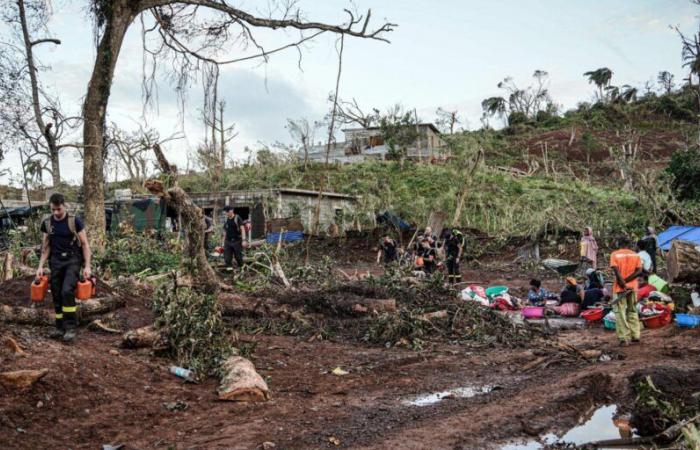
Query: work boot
{"type": "Point", "coordinates": [635, 341]}
{"type": "Point", "coordinates": [57, 333]}
{"type": "Point", "coordinates": [69, 336]}
{"type": "Point", "coordinates": [622, 343]}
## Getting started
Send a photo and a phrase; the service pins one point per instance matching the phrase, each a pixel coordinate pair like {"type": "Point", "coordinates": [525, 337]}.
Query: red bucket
{"type": "Point", "coordinates": [657, 321]}
{"type": "Point", "coordinates": [593, 315]}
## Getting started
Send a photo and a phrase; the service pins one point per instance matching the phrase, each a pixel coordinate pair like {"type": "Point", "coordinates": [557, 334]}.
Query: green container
{"type": "Point", "coordinates": [608, 324]}
{"type": "Point", "coordinates": [495, 291]}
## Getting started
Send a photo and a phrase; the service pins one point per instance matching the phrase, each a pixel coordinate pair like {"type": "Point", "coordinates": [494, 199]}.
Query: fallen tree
{"type": "Point", "coordinates": [86, 312]}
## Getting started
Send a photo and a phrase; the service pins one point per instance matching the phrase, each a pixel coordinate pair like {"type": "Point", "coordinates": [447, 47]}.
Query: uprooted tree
{"type": "Point", "coordinates": [188, 35]}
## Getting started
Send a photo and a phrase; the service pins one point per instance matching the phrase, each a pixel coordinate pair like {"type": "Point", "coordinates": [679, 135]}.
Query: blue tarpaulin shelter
{"type": "Point", "coordinates": [678, 232]}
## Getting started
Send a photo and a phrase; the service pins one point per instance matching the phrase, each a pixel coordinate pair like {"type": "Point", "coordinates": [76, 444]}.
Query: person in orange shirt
{"type": "Point", "coordinates": [626, 266]}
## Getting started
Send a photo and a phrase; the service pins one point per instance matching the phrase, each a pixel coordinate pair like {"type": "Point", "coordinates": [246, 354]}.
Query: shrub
{"type": "Point", "coordinates": [684, 167]}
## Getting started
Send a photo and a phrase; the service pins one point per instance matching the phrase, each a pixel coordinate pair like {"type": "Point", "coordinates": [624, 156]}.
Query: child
{"type": "Point", "coordinates": [537, 294]}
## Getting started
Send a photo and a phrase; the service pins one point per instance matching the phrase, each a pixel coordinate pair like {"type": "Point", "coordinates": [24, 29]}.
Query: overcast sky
{"type": "Point", "coordinates": [448, 53]}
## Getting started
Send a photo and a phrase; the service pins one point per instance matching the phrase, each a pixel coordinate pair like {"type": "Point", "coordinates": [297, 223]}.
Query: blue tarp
{"type": "Point", "coordinates": [678, 232]}
{"type": "Point", "coordinates": [288, 236]}
{"type": "Point", "coordinates": [393, 219]}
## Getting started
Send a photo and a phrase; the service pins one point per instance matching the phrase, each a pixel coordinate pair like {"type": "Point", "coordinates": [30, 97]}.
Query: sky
{"type": "Point", "coordinates": [445, 53]}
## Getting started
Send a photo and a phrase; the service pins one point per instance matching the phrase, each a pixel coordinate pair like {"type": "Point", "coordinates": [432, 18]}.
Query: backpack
{"type": "Point", "coordinates": [71, 226]}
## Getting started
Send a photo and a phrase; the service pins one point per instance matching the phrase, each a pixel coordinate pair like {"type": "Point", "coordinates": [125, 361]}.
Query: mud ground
{"type": "Point", "coordinates": [97, 393]}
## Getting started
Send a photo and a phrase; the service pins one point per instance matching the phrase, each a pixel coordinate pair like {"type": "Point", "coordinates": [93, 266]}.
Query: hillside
{"type": "Point", "coordinates": [550, 176]}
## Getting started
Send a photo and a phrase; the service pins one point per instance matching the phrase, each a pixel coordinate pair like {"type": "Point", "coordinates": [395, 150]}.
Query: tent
{"type": "Point", "coordinates": [678, 232]}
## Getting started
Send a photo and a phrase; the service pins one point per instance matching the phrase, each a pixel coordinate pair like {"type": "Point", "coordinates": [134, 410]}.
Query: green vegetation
{"type": "Point", "coordinates": [138, 255]}
{"type": "Point", "coordinates": [197, 336]}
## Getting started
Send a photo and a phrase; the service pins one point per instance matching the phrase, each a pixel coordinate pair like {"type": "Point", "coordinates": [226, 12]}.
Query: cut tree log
{"type": "Point", "coordinates": [87, 310]}
{"type": "Point", "coordinates": [22, 379]}
{"type": "Point", "coordinates": [241, 383]}
{"type": "Point", "coordinates": [145, 337]}
{"type": "Point", "coordinates": [434, 315]}
{"type": "Point", "coordinates": [683, 263]}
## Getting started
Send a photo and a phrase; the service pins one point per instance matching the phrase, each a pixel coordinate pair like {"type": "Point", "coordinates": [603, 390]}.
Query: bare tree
{"type": "Point", "coordinates": [40, 123]}
{"type": "Point", "coordinates": [132, 151]}
{"type": "Point", "coordinates": [350, 112]}
{"type": "Point", "coordinates": [304, 132]}
{"type": "Point", "coordinates": [212, 155]}
{"type": "Point", "coordinates": [528, 101]}
{"type": "Point", "coordinates": [190, 33]}
{"type": "Point", "coordinates": [447, 120]}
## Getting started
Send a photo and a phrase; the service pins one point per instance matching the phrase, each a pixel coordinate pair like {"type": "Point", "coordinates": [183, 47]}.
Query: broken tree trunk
{"type": "Point", "coordinates": [41, 316]}
{"type": "Point", "coordinates": [192, 217]}
{"type": "Point", "coordinates": [241, 383]}
{"type": "Point", "coordinates": [684, 262]}
{"type": "Point", "coordinates": [7, 267]}
{"type": "Point", "coordinates": [21, 379]}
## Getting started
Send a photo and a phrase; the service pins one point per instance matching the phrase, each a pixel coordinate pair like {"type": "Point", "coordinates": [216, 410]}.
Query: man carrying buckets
{"type": "Point", "coordinates": [65, 247]}
{"type": "Point", "coordinates": [626, 266]}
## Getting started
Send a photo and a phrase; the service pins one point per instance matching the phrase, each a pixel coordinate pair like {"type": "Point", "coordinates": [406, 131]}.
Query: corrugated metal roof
{"type": "Point", "coordinates": [678, 232]}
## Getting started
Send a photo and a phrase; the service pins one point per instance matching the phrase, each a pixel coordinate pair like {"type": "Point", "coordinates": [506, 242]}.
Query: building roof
{"type": "Point", "coordinates": [429, 125]}
{"type": "Point", "coordinates": [262, 192]}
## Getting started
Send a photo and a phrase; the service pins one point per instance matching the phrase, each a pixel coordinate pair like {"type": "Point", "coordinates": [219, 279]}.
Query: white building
{"type": "Point", "coordinates": [363, 144]}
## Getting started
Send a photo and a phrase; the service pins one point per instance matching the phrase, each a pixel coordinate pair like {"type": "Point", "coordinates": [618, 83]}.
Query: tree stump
{"type": "Point", "coordinates": [684, 263]}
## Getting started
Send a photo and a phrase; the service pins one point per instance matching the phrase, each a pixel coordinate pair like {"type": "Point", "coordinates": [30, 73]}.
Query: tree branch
{"type": "Point", "coordinates": [43, 41]}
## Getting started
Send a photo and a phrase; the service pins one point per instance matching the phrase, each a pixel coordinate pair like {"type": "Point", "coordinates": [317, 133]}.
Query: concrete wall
{"type": "Point", "coordinates": [304, 207]}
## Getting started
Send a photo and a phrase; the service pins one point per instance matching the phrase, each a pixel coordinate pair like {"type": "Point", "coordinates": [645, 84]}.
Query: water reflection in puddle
{"type": "Point", "coordinates": [599, 427]}
{"type": "Point", "coordinates": [461, 392]}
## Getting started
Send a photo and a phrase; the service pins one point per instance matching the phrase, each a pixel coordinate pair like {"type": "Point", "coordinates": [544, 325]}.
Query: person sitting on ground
{"type": "Point", "coordinates": [571, 293]}
{"type": "Point", "coordinates": [627, 266]}
{"type": "Point", "coordinates": [537, 294]}
{"type": "Point", "coordinates": [594, 279]}
{"type": "Point", "coordinates": [426, 255]}
{"type": "Point", "coordinates": [389, 248]}
{"type": "Point", "coordinates": [645, 256]}
{"type": "Point", "coordinates": [593, 297]}
{"type": "Point", "coordinates": [645, 288]}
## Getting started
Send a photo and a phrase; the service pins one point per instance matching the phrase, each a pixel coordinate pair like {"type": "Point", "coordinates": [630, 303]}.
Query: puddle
{"type": "Point", "coordinates": [461, 392]}
{"type": "Point", "coordinates": [600, 426]}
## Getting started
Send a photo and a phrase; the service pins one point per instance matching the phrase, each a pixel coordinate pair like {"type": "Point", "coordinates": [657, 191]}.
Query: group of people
{"type": "Point", "coordinates": [631, 270]}
{"type": "Point", "coordinates": [429, 253]}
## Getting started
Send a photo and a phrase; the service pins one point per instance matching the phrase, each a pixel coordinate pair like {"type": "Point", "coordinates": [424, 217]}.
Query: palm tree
{"type": "Point", "coordinates": [601, 78]}
{"type": "Point", "coordinates": [493, 106]}
{"type": "Point", "coordinates": [628, 94]}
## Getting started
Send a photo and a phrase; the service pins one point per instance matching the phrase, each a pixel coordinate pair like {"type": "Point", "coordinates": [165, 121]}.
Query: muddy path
{"type": "Point", "coordinates": [96, 394]}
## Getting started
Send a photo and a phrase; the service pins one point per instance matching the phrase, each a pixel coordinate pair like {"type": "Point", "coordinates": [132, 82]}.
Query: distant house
{"type": "Point", "coordinates": [362, 144]}
{"type": "Point", "coordinates": [265, 206]}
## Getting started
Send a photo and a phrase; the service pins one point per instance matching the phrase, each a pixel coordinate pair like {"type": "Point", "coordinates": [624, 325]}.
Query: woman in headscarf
{"type": "Point", "coordinates": [589, 248]}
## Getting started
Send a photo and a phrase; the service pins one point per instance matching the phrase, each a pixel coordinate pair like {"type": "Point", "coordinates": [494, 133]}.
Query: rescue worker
{"type": "Point", "coordinates": [65, 246]}
{"type": "Point", "coordinates": [390, 249]}
{"type": "Point", "coordinates": [234, 238]}
{"type": "Point", "coordinates": [454, 245]}
{"type": "Point", "coordinates": [626, 266]}
{"type": "Point", "coordinates": [427, 255]}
